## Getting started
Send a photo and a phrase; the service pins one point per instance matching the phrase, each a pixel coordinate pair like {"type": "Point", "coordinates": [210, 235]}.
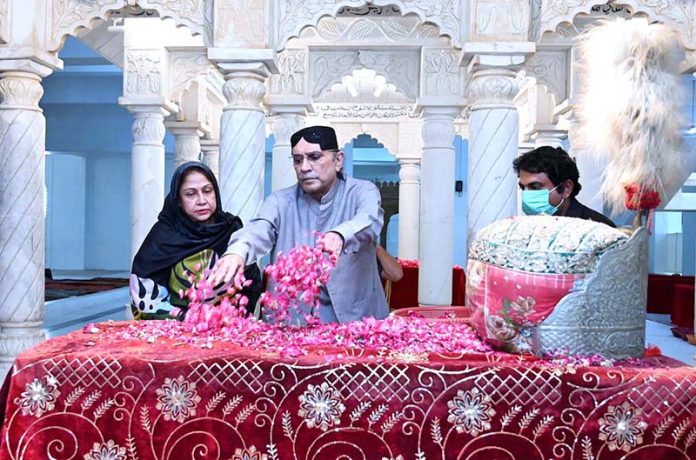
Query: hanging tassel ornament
{"type": "Point", "coordinates": [629, 112]}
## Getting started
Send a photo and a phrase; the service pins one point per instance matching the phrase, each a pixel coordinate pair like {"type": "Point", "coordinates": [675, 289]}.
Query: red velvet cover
{"type": "Point", "coordinates": [404, 293]}
{"type": "Point", "coordinates": [71, 398]}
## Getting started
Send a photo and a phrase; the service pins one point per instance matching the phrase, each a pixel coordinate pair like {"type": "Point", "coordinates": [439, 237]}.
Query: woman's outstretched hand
{"type": "Point", "coordinates": [225, 269]}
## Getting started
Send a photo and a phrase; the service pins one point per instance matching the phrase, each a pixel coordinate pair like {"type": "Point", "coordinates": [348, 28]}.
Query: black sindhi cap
{"type": "Point", "coordinates": [325, 136]}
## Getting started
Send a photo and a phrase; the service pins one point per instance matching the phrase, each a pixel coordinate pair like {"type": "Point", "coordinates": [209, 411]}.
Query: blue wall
{"type": "Point", "coordinates": [66, 204]}
{"type": "Point", "coordinates": [689, 218]}
{"type": "Point", "coordinates": [88, 138]}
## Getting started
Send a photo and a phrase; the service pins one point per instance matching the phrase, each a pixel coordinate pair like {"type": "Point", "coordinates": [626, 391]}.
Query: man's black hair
{"type": "Point", "coordinates": [554, 162]}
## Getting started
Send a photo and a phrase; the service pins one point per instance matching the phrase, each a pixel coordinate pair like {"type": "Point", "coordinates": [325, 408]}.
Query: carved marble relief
{"type": "Point", "coordinates": [294, 15]}
{"type": "Point", "coordinates": [194, 14]}
{"type": "Point", "coordinates": [368, 29]}
{"type": "Point", "coordinates": [291, 79]}
{"type": "Point", "coordinates": [240, 22]}
{"type": "Point", "coordinates": [501, 19]}
{"type": "Point", "coordinates": [398, 67]}
{"type": "Point", "coordinates": [558, 15]}
{"type": "Point", "coordinates": [69, 15]}
{"type": "Point", "coordinates": [363, 111]}
{"type": "Point", "coordinates": [441, 72]}
{"type": "Point", "coordinates": [183, 69]}
{"type": "Point", "coordinates": [681, 14]}
{"type": "Point", "coordinates": [143, 72]}
{"type": "Point", "coordinates": [550, 69]}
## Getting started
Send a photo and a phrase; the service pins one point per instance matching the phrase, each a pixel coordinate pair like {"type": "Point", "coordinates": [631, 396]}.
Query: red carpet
{"type": "Point", "coordinates": [60, 289]}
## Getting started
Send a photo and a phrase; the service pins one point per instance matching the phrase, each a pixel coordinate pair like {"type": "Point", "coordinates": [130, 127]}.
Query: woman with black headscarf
{"type": "Point", "coordinates": [191, 232]}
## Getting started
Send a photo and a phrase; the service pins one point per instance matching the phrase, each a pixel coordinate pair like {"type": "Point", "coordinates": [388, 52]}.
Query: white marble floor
{"type": "Point", "coordinates": [87, 274]}
{"type": "Point", "coordinates": [658, 333]}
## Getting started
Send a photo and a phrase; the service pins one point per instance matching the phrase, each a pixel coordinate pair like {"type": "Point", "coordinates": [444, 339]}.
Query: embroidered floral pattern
{"type": "Point", "coordinates": [39, 396]}
{"type": "Point", "coordinates": [470, 412]}
{"type": "Point", "coordinates": [408, 357]}
{"type": "Point", "coordinates": [544, 244]}
{"type": "Point", "coordinates": [177, 399]}
{"type": "Point", "coordinates": [621, 427]}
{"type": "Point", "coordinates": [106, 451]}
{"type": "Point", "coordinates": [321, 406]}
{"type": "Point", "coordinates": [249, 454]}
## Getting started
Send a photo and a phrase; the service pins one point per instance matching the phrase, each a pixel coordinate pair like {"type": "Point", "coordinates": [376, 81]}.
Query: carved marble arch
{"type": "Point", "coordinates": [556, 24]}
{"type": "Point", "coordinates": [69, 16]}
{"type": "Point", "coordinates": [400, 68]}
{"type": "Point", "coordinates": [386, 134]}
{"type": "Point", "coordinates": [547, 15]}
{"type": "Point", "coordinates": [559, 16]}
{"type": "Point", "coordinates": [449, 16]}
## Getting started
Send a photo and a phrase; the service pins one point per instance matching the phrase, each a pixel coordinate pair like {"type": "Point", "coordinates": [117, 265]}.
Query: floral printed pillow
{"type": "Point", "coordinates": [505, 304]}
{"type": "Point", "coordinates": [520, 268]}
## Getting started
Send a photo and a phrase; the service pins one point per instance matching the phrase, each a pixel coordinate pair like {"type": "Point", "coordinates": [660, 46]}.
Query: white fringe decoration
{"type": "Point", "coordinates": [629, 109]}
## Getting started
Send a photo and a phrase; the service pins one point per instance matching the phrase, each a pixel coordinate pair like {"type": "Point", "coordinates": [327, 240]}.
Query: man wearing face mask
{"type": "Point", "coordinates": [324, 200]}
{"type": "Point", "coordinates": [548, 178]}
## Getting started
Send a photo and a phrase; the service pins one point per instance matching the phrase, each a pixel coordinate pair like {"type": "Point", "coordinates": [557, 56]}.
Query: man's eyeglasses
{"type": "Point", "coordinates": [312, 157]}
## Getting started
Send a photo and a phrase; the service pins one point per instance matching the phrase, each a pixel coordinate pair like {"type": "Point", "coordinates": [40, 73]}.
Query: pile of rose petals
{"type": "Point", "coordinates": [409, 263]}
{"type": "Point", "coordinates": [297, 278]}
{"type": "Point", "coordinates": [395, 334]}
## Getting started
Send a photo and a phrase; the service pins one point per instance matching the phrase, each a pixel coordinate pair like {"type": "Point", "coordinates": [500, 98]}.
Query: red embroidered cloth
{"type": "Point", "coordinates": [72, 398]}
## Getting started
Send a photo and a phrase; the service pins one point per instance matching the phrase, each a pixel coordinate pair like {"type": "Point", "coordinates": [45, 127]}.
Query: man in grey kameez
{"type": "Point", "coordinates": [347, 210]}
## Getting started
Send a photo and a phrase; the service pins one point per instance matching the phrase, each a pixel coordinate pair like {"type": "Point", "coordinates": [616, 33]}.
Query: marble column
{"type": "Point", "coordinates": [210, 151]}
{"type": "Point", "coordinates": [493, 145]}
{"type": "Point", "coordinates": [285, 123]}
{"type": "Point", "coordinates": [591, 169]}
{"type": "Point", "coordinates": [22, 220]}
{"type": "Point", "coordinates": [436, 242]}
{"type": "Point", "coordinates": [242, 144]}
{"type": "Point", "coordinates": [147, 171]}
{"type": "Point", "coordinates": [409, 207]}
{"type": "Point", "coordinates": [187, 141]}
{"type": "Point", "coordinates": [548, 135]}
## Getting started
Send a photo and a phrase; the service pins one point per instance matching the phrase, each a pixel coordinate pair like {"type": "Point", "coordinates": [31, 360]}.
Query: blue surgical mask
{"type": "Point", "coordinates": [535, 202]}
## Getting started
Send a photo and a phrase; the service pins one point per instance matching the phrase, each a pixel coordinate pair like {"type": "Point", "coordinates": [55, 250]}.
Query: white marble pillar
{"type": "Point", "coordinates": [493, 145]}
{"type": "Point", "coordinates": [437, 206]}
{"type": "Point", "coordinates": [187, 142]}
{"type": "Point", "coordinates": [285, 123]}
{"type": "Point", "coordinates": [591, 169]}
{"type": "Point", "coordinates": [549, 136]}
{"type": "Point", "coordinates": [242, 144]}
{"type": "Point", "coordinates": [409, 207]}
{"type": "Point", "coordinates": [22, 145]}
{"type": "Point", "coordinates": [147, 171]}
{"type": "Point", "coordinates": [210, 151]}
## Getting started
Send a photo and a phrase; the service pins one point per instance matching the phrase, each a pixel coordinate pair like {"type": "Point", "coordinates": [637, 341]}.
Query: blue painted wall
{"type": "Point", "coordinates": [689, 218]}
{"type": "Point", "coordinates": [88, 137]}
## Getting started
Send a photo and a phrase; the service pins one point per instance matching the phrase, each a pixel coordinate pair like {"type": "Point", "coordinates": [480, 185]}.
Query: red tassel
{"type": "Point", "coordinates": [638, 198]}
{"type": "Point", "coordinates": [651, 351]}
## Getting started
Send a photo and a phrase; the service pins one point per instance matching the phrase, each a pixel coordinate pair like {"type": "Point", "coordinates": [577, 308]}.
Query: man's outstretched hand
{"type": "Point", "coordinates": [225, 269]}
{"type": "Point", "coordinates": [333, 243]}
